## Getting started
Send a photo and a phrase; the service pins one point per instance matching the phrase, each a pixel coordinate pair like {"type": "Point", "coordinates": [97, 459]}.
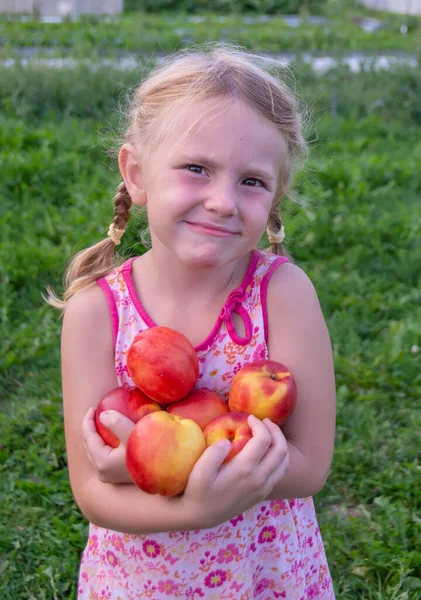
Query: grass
{"type": "Point", "coordinates": [144, 33]}
{"type": "Point", "coordinates": [355, 231]}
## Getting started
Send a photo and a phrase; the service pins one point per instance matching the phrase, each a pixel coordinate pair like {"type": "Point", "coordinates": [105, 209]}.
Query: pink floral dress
{"type": "Point", "coordinates": [273, 550]}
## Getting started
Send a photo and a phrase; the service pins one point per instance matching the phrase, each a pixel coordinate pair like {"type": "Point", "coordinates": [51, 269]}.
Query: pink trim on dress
{"type": "Point", "coordinates": [232, 304]}
{"type": "Point", "coordinates": [264, 289]}
{"type": "Point", "coordinates": [127, 274]}
{"type": "Point", "coordinates": [103, 284]}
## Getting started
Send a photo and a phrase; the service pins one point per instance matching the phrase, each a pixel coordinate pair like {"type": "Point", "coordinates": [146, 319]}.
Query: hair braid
{"type": "Point", "coordinates": [274, 231]}
{"type": "Point", "coordinates": [122, 204]}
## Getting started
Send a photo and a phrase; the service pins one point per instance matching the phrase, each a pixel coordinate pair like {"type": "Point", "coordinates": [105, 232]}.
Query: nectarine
{"type": "Point", "coordinates": [200, 405]}
{"type": "Point", "coordinates": [163, 364]}
{"type": "Point", "coordinates": [264, 388]}
{"type": "Point", "coordinates": [130, 402]}
{"type": "Point", "coordinates": [232, 426]}
{"type": "Point", "coordinates": [161, 452]}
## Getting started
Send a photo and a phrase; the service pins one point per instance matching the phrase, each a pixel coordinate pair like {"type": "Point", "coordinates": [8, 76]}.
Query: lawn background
{"type": "Point", "coordinates": [354, 228]}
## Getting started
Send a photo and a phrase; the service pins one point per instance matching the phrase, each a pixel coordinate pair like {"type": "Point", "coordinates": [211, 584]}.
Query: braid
{"type": "Point", "coordinates": [122, 204]}
{"type": "Point", "coordinates": [275, 231]}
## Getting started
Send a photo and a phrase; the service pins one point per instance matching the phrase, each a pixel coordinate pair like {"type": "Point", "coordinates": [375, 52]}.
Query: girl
{"type": "Point", "coordinates": [209, 150]}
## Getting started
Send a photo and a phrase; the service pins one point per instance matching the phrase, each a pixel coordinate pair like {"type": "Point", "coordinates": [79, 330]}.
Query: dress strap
{"type": "Point", "coordinates": [104, 284]}
{"type": "Point", "coordinates": [264, 288]}
{"type": "Point", "coordinates": [127, 266]}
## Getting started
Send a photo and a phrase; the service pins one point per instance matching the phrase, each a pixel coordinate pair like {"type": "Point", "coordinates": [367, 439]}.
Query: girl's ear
{"type": "Point", "coordinates": [131, 173]}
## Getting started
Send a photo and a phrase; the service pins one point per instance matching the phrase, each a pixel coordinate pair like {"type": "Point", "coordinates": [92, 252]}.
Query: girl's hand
{"type": "Point", "coordinates": [110, 463]}
{"type": "Point", "coordinates": [220, 492]}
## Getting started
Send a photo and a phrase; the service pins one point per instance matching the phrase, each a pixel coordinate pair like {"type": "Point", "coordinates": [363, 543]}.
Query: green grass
{"type": "Point", "coordinates": [355, 231]}
{"type": "Point", "coordinates": [154, 33]}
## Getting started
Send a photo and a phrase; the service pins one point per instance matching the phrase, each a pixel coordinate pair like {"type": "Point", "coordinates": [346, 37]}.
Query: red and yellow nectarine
{"type": "Point", "coordinates": [264, 388]}
{"type": "Point", "coordinates": [200, 405]}
{"type": "Point", "coordinates": [230, 426]}
{"type": "Point", "coordinates": [130, 402]}
{"type": "Point", "coordinates": [161, 452]}
{"type": "Point", "coordinates": [163, 364]}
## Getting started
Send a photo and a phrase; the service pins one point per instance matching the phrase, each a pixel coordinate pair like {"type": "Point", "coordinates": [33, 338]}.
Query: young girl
{"type": "Point", "coordinates": [209, 150]}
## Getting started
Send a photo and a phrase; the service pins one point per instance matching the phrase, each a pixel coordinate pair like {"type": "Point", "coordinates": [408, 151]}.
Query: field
{"type": "Point", "coordinates": [339, 26]}
{"type": "Point", "coordinates": [354, 226]}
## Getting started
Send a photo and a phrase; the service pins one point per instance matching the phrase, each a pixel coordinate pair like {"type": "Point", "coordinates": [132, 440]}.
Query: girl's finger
{"type": "Point", "coordinates": [88, 425]}
{"type": "Point", "coordinates": [208, 465]}
{"type": "Point", "coordinates": [256, 448]}
{"type": "Point", "coordinates": [277, 450]}
{"type": "Point", "coordinates": [120, 425]}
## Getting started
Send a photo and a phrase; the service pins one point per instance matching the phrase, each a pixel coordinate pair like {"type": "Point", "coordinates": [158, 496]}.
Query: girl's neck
{"type": "Point", "coordinates": [188, 300]}
{"type": "Point", "coordinates": [176, 280]}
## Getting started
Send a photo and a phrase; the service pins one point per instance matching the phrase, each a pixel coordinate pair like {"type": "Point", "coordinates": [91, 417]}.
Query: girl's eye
{"type": "Point", "coordinates": [254, 182]}
{"type": "Point", "coordinates": [250, 181]}
{"type": "Point", "coordinates": [195, 169]}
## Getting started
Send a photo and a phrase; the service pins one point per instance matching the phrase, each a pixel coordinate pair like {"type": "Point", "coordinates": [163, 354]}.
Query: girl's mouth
{"type": "Point", "coordinates": [211, 229]}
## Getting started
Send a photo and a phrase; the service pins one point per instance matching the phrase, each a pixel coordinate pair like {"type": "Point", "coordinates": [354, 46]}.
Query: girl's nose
{"type": "Point", "coordinates": [223, 200]}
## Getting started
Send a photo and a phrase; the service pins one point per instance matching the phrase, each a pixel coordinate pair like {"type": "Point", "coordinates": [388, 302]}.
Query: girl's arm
{"type": "Point", "coordinates": [88, 372]}
{"type": "Point", "coordinates": [299, 339]}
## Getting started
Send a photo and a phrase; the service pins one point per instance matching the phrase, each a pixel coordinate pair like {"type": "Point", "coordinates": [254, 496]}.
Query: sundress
{"type": "Point", "coordinates": [273, 550]}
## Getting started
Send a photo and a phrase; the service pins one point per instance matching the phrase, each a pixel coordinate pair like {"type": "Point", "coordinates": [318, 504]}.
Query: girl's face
{"type": "Point", "coordinates": [208, 197]}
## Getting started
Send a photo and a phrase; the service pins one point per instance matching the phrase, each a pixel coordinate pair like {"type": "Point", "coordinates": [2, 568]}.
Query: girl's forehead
{"type": "Point", "coordinates": [215, 126]}
{"type": "Point", "coordinates": [211, 113]}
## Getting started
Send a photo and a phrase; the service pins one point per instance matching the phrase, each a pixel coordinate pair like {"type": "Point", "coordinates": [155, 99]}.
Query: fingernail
{"type": "Point", "coordinates": [106, 416]}
{"type": "Point", "coordinates": [225, 444]}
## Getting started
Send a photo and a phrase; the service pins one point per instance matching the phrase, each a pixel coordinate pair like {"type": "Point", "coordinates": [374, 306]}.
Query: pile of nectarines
{"type": "Point", "coordinates": [175, 421]}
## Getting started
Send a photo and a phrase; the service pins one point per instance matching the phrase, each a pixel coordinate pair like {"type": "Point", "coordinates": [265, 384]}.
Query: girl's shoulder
{"type": "Point", "coordinates": [86, 325]}
{"type": "Point", "coordinates": [284, 287]}
{"type": "Point", "coordinates": [290, 285]}
{"type": "Point", "coordinates": [293, 307]}
{"type": "Point", "coordinates": [88, 307]}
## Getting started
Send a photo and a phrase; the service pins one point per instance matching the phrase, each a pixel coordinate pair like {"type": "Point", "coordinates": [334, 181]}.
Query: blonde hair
{"type": "Point", "coordinates": [215, 71]}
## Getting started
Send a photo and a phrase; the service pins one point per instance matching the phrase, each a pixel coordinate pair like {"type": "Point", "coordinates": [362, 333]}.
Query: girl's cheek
{"type": "Point", "coordinates": [186, 181]}
{"type": "Point", "coordinates": [189, 181]}
{"type": "Point", "coordinates": [257, 208]}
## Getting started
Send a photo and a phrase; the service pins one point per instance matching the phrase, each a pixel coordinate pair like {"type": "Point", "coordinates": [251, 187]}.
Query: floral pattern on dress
{"type": "Point", "coordinates": [273, 550]}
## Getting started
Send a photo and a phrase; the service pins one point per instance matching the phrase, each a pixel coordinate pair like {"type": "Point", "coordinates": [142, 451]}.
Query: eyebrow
{"type": "Point", "coordinates": [203, 159]}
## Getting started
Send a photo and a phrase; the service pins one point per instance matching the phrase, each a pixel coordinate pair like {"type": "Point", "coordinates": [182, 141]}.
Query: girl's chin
{"type": "Point", "coordinates": [202, 263]}
{"type": "Point", "coordinates": [205, 259]}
